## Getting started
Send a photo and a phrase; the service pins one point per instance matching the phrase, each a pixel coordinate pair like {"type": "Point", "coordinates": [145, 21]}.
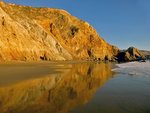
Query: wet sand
{"type": "Point", "coordinates": [71, 87]}
{"type": "Point", "coordinates": [12, 72]}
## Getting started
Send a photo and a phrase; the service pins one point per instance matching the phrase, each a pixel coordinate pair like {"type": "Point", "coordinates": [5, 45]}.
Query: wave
{"type": "Point", "coordinates": [134, 68]}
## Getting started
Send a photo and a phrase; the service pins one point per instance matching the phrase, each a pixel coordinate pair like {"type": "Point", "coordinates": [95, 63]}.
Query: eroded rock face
{"type": "Point", "coordinates": [24, 39]}
{"type": "Point", "coordinates": [131, 54]}
{"type": "Point", "coordinates": [28, 33]}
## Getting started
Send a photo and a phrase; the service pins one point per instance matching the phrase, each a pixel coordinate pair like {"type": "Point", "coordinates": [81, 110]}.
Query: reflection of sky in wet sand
{"type": "Point", "coordinates": [62, 87]}
{"type": "Point", "coordinates": [123, 94]}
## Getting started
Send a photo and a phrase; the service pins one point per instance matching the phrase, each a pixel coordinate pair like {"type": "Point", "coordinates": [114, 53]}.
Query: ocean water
{"type": "Point", "coordinates": [134, 68]}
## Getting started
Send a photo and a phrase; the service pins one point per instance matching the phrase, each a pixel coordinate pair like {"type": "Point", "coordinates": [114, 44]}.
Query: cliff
{"type": "Point", "coordinates": [28, 33]}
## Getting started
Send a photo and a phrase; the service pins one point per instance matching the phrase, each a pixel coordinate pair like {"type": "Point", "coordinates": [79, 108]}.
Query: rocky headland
{"type": "Point", "coordinates": [131, 54]}
{"type": "Point", "coordinates": [34, 34]}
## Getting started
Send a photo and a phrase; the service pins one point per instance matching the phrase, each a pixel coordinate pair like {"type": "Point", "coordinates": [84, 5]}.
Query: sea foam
{"type": "Point", "coordinates": [134, 68]}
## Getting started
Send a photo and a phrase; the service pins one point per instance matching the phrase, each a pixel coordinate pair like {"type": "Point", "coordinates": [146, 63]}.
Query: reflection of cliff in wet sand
{"type": "Point", "coordinates": [55, 93]}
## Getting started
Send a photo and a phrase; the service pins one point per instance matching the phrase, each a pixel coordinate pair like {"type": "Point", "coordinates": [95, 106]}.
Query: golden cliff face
{"type": "Point", "coordinates": [57, 92]}
{"type": "Point", "coordinates": [22, 38]}
{"type": "Point", "coordinates": [28, 33]}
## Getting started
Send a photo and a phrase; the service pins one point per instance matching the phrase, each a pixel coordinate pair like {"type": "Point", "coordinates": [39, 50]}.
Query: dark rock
{"type": "Point", "coordinates": [131, 54]}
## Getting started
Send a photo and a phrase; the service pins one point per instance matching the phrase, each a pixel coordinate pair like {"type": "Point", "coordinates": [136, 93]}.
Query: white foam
{"type": "Point", "coordinates": [134, 68]}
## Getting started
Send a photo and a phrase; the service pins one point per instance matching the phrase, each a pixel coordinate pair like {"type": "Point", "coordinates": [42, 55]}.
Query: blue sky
{"type": "Point", "coordinates": [122, 23]}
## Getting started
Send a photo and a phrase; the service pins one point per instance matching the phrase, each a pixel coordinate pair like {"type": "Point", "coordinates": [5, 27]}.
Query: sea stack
{"type": "Point", "coordinates": [131, 54]}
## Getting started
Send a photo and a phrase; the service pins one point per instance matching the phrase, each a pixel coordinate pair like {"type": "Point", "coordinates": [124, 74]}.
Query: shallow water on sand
{"type": "Point", "coordinates": [71, 87]}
